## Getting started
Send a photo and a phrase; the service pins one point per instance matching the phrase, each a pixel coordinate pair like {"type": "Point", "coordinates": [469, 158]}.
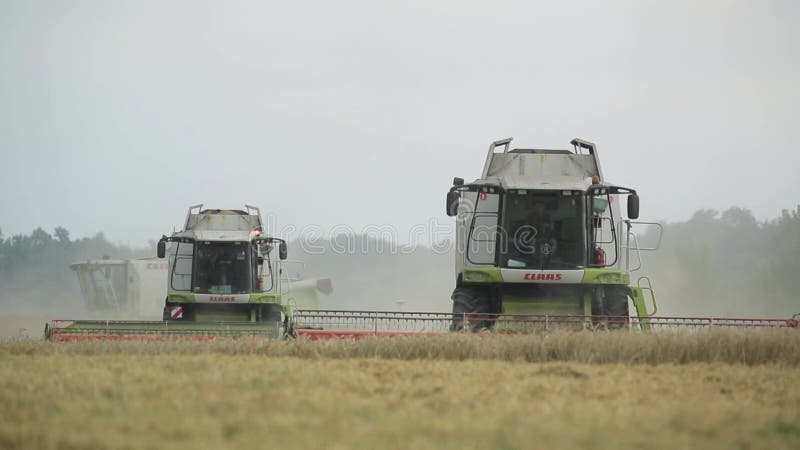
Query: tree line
{"type": "Point", "coordinates": [729, 263]}
{"type": "Point", "coordinates": [714, 263]}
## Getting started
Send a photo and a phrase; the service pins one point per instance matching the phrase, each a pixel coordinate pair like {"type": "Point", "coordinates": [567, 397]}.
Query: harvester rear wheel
{"type": "Point", "coordinates": [469, 301]}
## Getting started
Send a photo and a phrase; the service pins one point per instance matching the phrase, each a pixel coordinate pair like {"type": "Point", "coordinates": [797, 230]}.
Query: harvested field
{"type": "Point", "coordinates": [570, 390]}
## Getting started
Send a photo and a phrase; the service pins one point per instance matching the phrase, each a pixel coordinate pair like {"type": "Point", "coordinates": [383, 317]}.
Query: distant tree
{"type": "Point", "coordinates": [740, 218]}
{"type": "Point", "coordinates": [39, 237]}
{"type": "Point", "coordinates": [62, 234]}
{"type": "Point", "coordinates": [704, 217]}
{"type": "Point", "coordinates": [729, 263]}
{"type": "Point", "coordinates": [2, 252]}
{"type": "Point", "coordinates": [780, 250]}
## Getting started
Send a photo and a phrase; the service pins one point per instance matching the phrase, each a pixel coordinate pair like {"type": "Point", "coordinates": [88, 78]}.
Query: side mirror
{"type": "Point", "coordinates": [161, 248]}
{"type": "Point", "coordinates": [282, 250]}
{"type": "Point", "coordinates": [452, 203]}
{"type": "Point", "coordinates": [458, 181]}
{"type": "Point", "coordinates": [633, 206]}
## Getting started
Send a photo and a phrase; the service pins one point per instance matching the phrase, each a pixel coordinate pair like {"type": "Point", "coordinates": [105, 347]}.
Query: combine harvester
{"type": "Point", "coordinates": [223, 280]}
{"type": "Point", "coordinates": [541, 243]}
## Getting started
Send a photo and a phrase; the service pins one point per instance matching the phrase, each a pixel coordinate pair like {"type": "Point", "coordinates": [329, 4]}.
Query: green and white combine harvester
{"type": "Point", "coordinates": [541, 243]}
{"type": "Point", "coordinates": [542, 233]}
{"type": "Point", "coordinates": [223, 276]}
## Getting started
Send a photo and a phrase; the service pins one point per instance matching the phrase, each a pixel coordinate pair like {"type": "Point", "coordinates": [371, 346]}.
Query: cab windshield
{"type": "Point", "coordinates": [222, 268]}
{"type": "Point", "coordinates": [543, 230]}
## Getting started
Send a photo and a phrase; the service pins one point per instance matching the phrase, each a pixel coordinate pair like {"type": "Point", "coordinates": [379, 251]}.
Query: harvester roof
{"type": "Point", "coordinates": [555, 184]}
{"type": "Point", "coordinates": [548, 169]}
{"type": "Point", "coordinates": [219, 220]}
{"type": "Point", "coordinates": [229, 212]}
{"type": "Point", "coordinates": [221, 236]}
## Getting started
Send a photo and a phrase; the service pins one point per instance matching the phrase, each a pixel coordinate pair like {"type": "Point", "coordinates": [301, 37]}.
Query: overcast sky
{"type": "Point", "coordinates": [116, 116]}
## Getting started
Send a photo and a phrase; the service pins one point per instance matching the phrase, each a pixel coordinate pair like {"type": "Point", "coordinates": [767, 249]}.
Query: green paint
{"type": "Point", "coordinates": [560, 306]}
{"type": "Point", "coordinates": [213, 314]}
{"type": "Point", "coordinates": [483, 275]}
{"type": "Point", "coordinates": [541, 306]}
{"type": "Point", "coordinates": [637, 295]}
{"type": "Point", "coordinates": [264, 298]}
{"type": "Point", "coordinates": [181, 297]}
{"type": "Point", "coordinates": [605, 276]}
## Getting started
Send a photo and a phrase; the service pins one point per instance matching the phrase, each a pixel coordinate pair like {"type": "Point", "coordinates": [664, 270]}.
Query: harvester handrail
{"type": "Point", "coordinates": [632, 236]}
{"type": "Point", "coordinates": [250, 208]}
{"type": "Point", "coordinates": [505, 143]}
{"type": "Point", "coordinates": [660, 234]}
{"type": "Point", "coordinates": [198, 207]}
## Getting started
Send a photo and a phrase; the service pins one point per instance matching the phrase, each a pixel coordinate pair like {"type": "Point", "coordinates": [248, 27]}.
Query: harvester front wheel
{"type": "Point", "coordinates": [467, 301]}
{"type": "Point", "coordinates": [616, 305]}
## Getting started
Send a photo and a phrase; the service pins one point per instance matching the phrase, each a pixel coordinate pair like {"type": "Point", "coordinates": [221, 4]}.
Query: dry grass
{"type": "Point", "coordinates": [222, 401]}
{"type": "Point", "coordinates": [442, 392]}
{"type": "Point", "coordinates": [749, 347]}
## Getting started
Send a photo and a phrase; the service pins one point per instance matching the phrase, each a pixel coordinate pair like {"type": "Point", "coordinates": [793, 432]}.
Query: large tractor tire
{"type": "Point", "coordinates": [270, 312]}
{"type": "Point", "coordinates": [273, 315]}
{"type": "Point", "coordinates": [611, 307]}
{"type": "Point", "coordinates": [616, 305]}
{"type": "Point", "coordinates": [469, 301]}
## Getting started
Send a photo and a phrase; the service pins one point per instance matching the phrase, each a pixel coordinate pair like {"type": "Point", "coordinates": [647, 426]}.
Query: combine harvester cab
{"type": "Point", "coordinates": [541, 236]}
{"type": "Point", "coordinates": [224, 279]}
